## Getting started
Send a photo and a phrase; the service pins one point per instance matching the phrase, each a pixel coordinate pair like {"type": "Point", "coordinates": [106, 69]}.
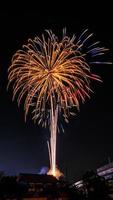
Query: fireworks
{"type": "Point", "coordinates": [53, 75]}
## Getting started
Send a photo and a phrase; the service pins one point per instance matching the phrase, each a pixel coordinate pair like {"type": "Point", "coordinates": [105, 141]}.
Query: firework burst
{"type": "Point", "coordinates": [53, 75]}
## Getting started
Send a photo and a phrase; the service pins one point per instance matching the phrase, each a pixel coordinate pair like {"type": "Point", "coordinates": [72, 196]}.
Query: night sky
{"type": "Point", "coordinates": [88, 139]}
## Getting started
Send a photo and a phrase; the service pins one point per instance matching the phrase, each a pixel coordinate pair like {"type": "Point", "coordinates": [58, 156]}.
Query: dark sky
{"type": "Point", "coordinates": [88, 139]}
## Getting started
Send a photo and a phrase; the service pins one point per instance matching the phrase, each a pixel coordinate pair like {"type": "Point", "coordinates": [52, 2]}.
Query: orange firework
{"type": "Point", "coordinates": [53, 75]}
